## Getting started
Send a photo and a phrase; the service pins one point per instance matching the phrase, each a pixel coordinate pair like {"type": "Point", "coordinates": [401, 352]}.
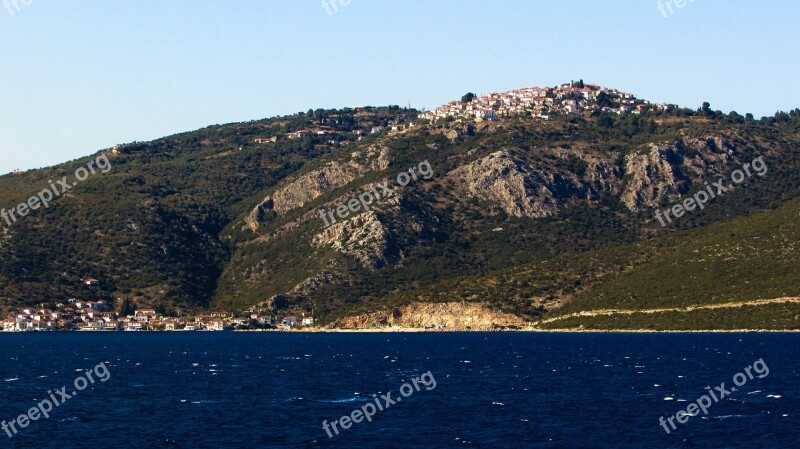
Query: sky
{"type": "Point", "coordinates": [79, 76]}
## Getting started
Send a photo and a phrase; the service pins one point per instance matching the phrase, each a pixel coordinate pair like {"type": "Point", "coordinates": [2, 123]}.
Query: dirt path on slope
{"type": "Point", "coordinates": [729, 305]}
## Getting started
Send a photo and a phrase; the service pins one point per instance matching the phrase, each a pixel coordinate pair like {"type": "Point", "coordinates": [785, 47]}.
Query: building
{"type": "Point", "coordinates": [145, 314]}
{"type": "Point", "coordinates": [217, 324]}
{"type": "Point", "coordinates": [290, 321]}
{"type": "Point", "coordinates": [133, 326]}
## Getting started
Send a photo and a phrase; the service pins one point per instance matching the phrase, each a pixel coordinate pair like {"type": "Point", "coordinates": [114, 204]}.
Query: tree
{"type": "Point", "coordinates": [706, 109]}
{"type": "Point", "coordinates": [605, 100]}
{"type": "Point", "coordinates": [580, 84]}
{"type": "Point", "coordinates": [467, 98]}
{"type": "Point", "coordinates": [126, 308]}
{"type": "Point", "coordinates": [606, 121]}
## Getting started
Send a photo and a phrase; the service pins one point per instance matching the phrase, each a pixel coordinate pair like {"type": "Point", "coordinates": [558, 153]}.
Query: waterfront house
{"type": "Point", "coordinates": [217, 324]}
{"type": "Point", "coordinates": [290, 321]}
{"type": "Point", "coordinates": [133, 326]}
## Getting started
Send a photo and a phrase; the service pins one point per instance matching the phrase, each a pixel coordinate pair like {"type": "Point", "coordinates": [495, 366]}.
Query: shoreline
{"type": "Point", "coordinates": [408, 330]}
{"type": "Point", "coordinates": [557, 331]}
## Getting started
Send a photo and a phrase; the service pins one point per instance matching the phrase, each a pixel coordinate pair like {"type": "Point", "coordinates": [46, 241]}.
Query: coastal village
{"type": "Point", "coordinates": [98, 316]}
{"type": "Point", "coordinates": [574, 98]}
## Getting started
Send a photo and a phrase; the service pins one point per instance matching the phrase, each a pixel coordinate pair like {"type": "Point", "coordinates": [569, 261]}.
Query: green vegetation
{"type": "Point", "coordinates": [764, 317]}
{"type": "Point", "coordinates": [167, 226]}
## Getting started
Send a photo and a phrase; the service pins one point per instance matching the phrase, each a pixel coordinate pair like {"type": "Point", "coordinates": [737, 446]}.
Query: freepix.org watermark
{"type": "Point", "coordinates": [716, 394]}
{"type": "Point", "coordinates": [381, 403]}
{"type": "Point", "coordinates": [332, 6]}
{"type": "Point", "coordinates": [55, 190]}
{"type": "Point", "coordinates": [57, 398]}
{"type": "Point", "coordinates": [665, 6]}
{"type": "Point", "coordinates": [366, 199]}
{"type": "Point", "coordinates": [15, 6]}
{"type": "Point", "coordinates": [699, 199]}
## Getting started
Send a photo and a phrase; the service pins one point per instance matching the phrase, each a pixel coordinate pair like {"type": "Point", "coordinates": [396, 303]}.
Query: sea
{"type": "Point", "coordinates": [419, 390]}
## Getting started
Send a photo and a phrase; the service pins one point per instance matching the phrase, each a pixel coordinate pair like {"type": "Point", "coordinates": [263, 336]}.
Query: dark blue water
{"type": "Point", "coordinates": [499, 390]}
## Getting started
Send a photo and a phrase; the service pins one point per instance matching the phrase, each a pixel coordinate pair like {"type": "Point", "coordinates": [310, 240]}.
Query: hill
{"type": "Point", "coordinates": [539, 217]}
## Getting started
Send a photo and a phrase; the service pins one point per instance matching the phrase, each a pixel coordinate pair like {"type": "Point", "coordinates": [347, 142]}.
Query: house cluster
{"type": "Point", "coordinates": [76, 315]}
{"type": "Point", "coordinates": [323, 131]}
{"type": "Point", "coordinates": [543, 102]}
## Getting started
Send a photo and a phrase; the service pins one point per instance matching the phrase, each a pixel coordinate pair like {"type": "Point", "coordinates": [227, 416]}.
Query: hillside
{"type": "Point", "coordinates": [539, 209]}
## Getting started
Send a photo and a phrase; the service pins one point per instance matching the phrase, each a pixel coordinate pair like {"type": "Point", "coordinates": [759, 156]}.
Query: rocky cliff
{"type": "Point", "coordinates": [444, 316]}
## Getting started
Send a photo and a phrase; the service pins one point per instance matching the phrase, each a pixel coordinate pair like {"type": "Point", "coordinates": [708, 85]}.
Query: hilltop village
{"type": "Point", "coordinates": [574, 98]}
{"type": "Point", "coordinates": [543, 102]}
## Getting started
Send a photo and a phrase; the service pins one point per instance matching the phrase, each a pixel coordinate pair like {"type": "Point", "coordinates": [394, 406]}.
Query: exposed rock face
{"type": "Point", "coordinates": [363, 237]}
{"type": "Point", "coordinates": [380, 236]}
{"type": "Point", "coordinates": [667, 171]}
{"type": "Point", "coordinates": [259, 213]}
{"type": "Point", "coordinates": [460, 131]}
{"type": "Point", "coordinates": [501, 180]}
{"type": "Point", "coordinates": [521, 185]}
{"type": "Point", "coordinates": [445, 316]}
{"type": "Point", "coordinates": [313, 283]}
{"type": "Point", "coordinates": [318, 182]}
{"type": "Point", "coordinates": [274, 303]}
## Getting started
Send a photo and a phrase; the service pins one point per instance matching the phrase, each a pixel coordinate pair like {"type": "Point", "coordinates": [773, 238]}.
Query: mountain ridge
{"type": "Point", "coordinates": [227, 217]}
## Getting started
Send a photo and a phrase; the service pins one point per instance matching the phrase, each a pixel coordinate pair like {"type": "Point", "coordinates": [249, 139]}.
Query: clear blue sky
{"type": "Point", "coordinates": [81, 75]}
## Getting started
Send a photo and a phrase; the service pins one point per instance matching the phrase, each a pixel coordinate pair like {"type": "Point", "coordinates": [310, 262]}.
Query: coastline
{"type": "Point", "coordinates": [555, 331]}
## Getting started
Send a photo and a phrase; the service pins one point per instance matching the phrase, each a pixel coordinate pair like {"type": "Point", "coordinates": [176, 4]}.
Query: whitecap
{"type": "Point", "coordinates": [669, 398]}
{"type": "Point", "coordinates": [776, 396]}
{"type": "Point", "coordinates": [341, 401]}
{"type": "Point", "coordinates": [12, 379]}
